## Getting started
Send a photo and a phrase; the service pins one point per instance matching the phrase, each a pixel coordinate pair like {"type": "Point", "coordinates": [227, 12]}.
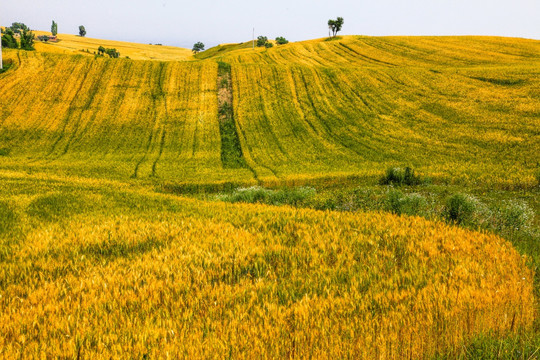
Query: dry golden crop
{"type": "Point", "coordinates": [104, 271]}
{"type": "Point", "coordinates": [73, 44]}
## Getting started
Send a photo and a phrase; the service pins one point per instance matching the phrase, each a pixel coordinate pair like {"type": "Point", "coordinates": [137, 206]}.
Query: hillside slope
{"type": "Point", "coordinates": [96, 261]}
{"type": "Point", "coordinates": [458, 109]}
{"type": "Point", "coordinates": [73, 44]}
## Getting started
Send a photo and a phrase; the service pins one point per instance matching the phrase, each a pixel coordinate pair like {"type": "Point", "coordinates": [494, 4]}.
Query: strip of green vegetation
{"type": "Point", "coordinates": [503, 82]}
{"type": "Point", "coordinates": [231, 150]}
{"type": "Point", "coordinates": [257, 194]}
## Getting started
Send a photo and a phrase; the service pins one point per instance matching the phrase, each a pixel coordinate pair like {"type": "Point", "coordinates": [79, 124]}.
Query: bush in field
{"type": "Point", "coordinates": [261, 41]}
{"type": "Point", "coordinates": [399, 176]}
{"type": "Point", "coordinates": [82, 31]}
{"type": "Point", "coordinates": [27, 40]}
{"type": "Point", "coordinates": [513, 216]}
{"type": "Point", "coordinates": [8, 39]}
{"type": "Point", "coordinates": [410, 204]}
{"type": "Point", "coordinates": [268, 45]}
{"type": "Point", "coordinates": [113, 53]}
{"type": "Point", "coordinates": [280, 40]}
{"type": "Point", "coordinates": [460, 209]}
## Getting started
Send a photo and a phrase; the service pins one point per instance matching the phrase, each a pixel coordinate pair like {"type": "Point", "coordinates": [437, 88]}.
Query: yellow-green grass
{"type": "Point", "coordinates": [112, 118]}
{"type": "Point", "coordinates": [221, 49]}
{"type": "Point", "coordinates": [100, 269]}
{"type": "Point", "coordinates": [74, 44]}
{"type": "Point", "coordinates": [458, 109]}
{"type": "Point", "coordinates": [93, 263]}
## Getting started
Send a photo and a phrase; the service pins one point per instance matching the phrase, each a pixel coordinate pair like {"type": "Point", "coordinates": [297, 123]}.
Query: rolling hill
{"type": "Point", "coordinates": [74, 44]}
{"type": "Point", "coordinates": [457, 109]}
{"type": "Point", "coordinates": [100, 257]}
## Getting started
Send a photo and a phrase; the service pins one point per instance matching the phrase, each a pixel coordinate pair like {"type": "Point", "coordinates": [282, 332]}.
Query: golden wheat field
{"type": "Point", "coordinates": [74, 44]}
{"type": "Point", "coordinates": [99, 260]}
{"type": "Point", "coordinates": [106, 270]}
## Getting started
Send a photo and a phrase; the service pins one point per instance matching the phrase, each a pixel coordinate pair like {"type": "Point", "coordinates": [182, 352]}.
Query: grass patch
{"type": "Point", "coordinates": [406, 204]}
{"type": "Point", "coordinates": [399, 177]}
{"type": "Point", "coordinates": [6, 66]}
{"type": "Point", "coordinates": [257, 194]}
{"type": "Point", "coordinates": [56, 206]}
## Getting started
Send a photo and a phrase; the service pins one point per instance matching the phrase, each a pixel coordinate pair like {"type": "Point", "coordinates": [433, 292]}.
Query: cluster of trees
{"type": "Point", "coordinates": [113, 53]}
{"type": "Point", "coordinates": [262, 41]}
{"type": "Point", "coordinates": [280, 40]}
{"type": "Point", "coordinates": [22, 32]}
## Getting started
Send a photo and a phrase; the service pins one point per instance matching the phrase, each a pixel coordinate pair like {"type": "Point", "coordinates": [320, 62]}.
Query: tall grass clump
{"type": "Point", "coordinates": [406, 204]}
{"type": "Point", "coordinates": [398, 176]}
{"type": "Point", "coordinates": [460, 209]}
{"type": "Point", "coordinates": [258, 194]}
{"type": "Point", "coordinates": [513, 216]}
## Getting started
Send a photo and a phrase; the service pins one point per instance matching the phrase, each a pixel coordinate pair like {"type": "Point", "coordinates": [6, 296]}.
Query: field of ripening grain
{"type": "Point", "coordinates": [97, 261]}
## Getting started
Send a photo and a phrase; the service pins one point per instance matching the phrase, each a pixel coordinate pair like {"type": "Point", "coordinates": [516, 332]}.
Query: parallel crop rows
{"type": "Point", "coordinates": [459, 109]}
{"type": "Point", "coordinates": [458, 122]}
{"type": "Point", "coordinates": [112, 118]}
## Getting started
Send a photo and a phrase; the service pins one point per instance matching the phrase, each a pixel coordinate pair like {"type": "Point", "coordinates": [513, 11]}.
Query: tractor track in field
{"type": "Point", "coordinates": [67, 117]}
{"type": "Point", "coordinates": [163, 97]}
{"type": "Point", "coordinates": [158, 130]}
{"type": "Point", "coordinates": [77, 132]}
{"type": "Point", "coordinates": [327, 129]}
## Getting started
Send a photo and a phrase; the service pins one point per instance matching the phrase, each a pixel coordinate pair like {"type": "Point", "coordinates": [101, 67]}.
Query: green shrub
{"type": "Point", "coordinates": [460, 209]}
{"type": "Point", "coordinates": [280, 40]}
{"type": "Point", "coordinates": [261, 41]}
{"type": "Point", "coordinates": [268, 45]}
{"type": "Point", "coordinates": [514, 216]}
{"type": "Point", "coordinates": [399, 176]}
{"type": "Point", "coordinates": [410, 204]}
{"type": "Point", "coordinates": [258, 194]}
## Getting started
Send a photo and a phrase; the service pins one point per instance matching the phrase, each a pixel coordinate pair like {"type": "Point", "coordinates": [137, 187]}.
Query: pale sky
{"type": "Point", "coordinates": [182, 23]}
